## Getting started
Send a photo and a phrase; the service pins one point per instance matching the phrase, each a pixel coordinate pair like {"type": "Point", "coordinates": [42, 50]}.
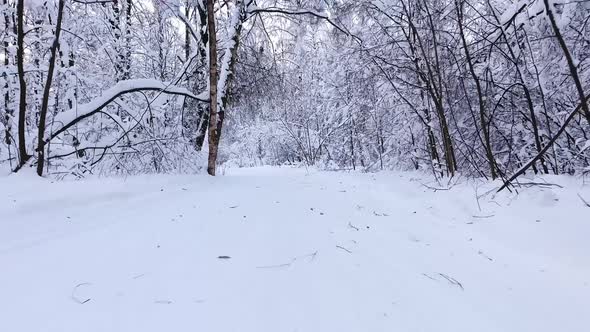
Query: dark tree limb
{"type": "Point", "coordinates": [285, 11]}
{"type": "Point", "coordinates": [108, 101]}
{"type": "Point", "coordinates": [570, 61]}
{"type": "Point", "coordinates": [47, 89]}
{"type": "Point", "coordinates": [547, 146]}
{"type": "Point", "coordinates": [22, 107]}
{"type": "Point", "coordinates": [213, 76]}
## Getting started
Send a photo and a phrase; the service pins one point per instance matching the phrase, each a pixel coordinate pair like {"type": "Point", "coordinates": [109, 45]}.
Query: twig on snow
{"type": "Point", "coordinates": [353, 226]}
{"type": "Point", "coordinates": [429, 277]}
{"type": "Point", "coordinates": [278, 266]}
{"type": "Point", "coordinates": [76, 298]}
{"type": "Point", "coordinates": [483, 217]}
{"type": "Point", "coordinates": [434, 188]}
{"type": "Point", "coordinates": [348, 251]}
{"type": "Point", "coordinates": [541, 184]}
{"type": "Point", "coordinates": [484, 255]}
{"type": "Point", "coordinates": [583, 200]}
{"type": "Point", "coordinates": [452, 280]}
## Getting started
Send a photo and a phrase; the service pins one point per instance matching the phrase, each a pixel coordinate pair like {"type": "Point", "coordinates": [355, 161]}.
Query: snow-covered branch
{"type": "Point", "coordinates": [302, 12]}
{"type": "Point", "coordinates": [228, 60]}
{"type": "Point", "coordinates": [70, 118]}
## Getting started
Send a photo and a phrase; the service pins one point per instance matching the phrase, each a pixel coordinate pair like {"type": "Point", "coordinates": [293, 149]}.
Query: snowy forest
{"type": "Point", "coordinates": [294, 165]}
{"type": "Point", "coordinates": [484, 88]}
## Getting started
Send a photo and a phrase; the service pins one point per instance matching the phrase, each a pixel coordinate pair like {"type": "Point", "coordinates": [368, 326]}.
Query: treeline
{"type": "Point", "coordinates": [478, 87]}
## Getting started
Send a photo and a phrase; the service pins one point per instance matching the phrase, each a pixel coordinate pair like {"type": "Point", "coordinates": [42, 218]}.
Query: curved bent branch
{"type": "Point", "coordinates": [69, 118]}
{"type": "Point", "coordinates": [285, 11]}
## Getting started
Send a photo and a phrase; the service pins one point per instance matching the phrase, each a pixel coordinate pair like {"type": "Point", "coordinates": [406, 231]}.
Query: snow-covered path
{"type": "Point", "coordinates": [305, 251]}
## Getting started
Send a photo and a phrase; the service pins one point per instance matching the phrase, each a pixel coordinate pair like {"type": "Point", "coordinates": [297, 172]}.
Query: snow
{"type": "Point", "coordinates": [308, 251]}
{"type": "Point", "coordinates": [230, 44]}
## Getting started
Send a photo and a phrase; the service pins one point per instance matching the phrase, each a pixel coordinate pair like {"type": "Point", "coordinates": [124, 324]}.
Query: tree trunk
{"type": "Point", "coordinates": [430, 79]}
{"type": "Point", "coordinates": [480, 97]}
{"type": "Point", "coordinates": [213, 136]}
{"type": "Point", "coordinates": [229, 62]}
{"type": "Point", "coordinates": [127, 60]}
{"type": "Point", "coordinates": [570, 61]}
{"type": "Point", "coordinates": [8, 113]}
{"type": "Point", "coordinates": [203, 109]}
{"type": "Point", "coordinates": [45, 101]}
{"type": "Point", "coordinates": [22, 107]}
{"type": "Point", "coordinates": [115, 22]}
{"type": "Point", "coordinates": [220, 95]}
{"type": "Point", "coordinates": [527, 94]}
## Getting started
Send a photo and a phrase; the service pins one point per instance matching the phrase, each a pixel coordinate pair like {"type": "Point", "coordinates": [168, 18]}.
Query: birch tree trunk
{"type": "Point", "coordinates": [201, 75]}
{"type": "Point", "coordinates": [8, 112]}
{"type": "Point", "coordinates": [213, 137]}
{"type": "Point", "coordinates": [220, 93]}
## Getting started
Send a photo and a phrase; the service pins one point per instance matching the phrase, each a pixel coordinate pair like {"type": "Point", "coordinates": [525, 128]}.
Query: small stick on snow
{"type": "Point", "coordinates": [486, 256]}
{"type": "Point", "coordinates": [348, 251]}
{"type": "Point", "coordinates": [77, 299]}
{"type": "Point", "coordinates": [452, 280]}
{"type": "Point", "coordinates": [278, 266]}
{"type": "Point", "coordinates": [434, 188]}
{"type": "Point", "coordinates": [541, 184]}
{"type": "Point", "coordinates": [353, 226]}
{"type": "Point", "coordinates": [583, 200]}
{"type": "Point", "coordinates": [429, 277]}
{"type": "Point", "coordinates": [483, 217]}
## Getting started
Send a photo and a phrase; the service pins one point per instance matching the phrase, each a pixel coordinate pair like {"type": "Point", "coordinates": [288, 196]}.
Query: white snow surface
{"type": "Point", "coordinates": [308, 251]}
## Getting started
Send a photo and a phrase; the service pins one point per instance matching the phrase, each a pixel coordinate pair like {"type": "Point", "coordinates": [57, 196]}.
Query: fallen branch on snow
{"type": "Point", "coordinates": [583, 200]}
{"type": "Point", "coordinates": [76, 298]}
{"type": "Point", "coordinates": [348, 251]}
{"type": "Point", "coordinates": [278, 266]}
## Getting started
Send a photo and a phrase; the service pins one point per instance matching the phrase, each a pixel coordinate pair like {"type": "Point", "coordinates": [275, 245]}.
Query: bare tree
{"type": "Point", "coordinates": [47, 90]}
{"type": "Point", "coordinates": [22, 106]}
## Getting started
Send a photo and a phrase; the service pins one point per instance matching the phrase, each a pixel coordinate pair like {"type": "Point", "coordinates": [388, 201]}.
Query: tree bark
{"type": "Point", "coordinates": [482, 109]}
{"type": "Point", "coordinates": [47, 90]}
{"type": "Point", "coordinates": [22, 107]}
{"type": "Point", "coordinates": [527, 94]}
{"type": "Point", "coordinates": [115, 22]}
{"type": "Point", "coordinates": [570, 61]}
{"type": "Point", "coordinates": [213, 136]}
{"type": "Point", "coordinates": [203, 109]}
{"type": "Point", "coordinates": [539, 155]}
{"type": "Point", "coordinates": [435, 92]}
{"type": "Point", "coordinates": [127, 60]}
{"type": "Point", "coordinates": [8, 112]}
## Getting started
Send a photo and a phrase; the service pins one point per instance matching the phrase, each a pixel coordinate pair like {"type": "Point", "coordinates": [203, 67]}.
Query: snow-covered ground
{"type": "Point", "coordinates": [280, 249]}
